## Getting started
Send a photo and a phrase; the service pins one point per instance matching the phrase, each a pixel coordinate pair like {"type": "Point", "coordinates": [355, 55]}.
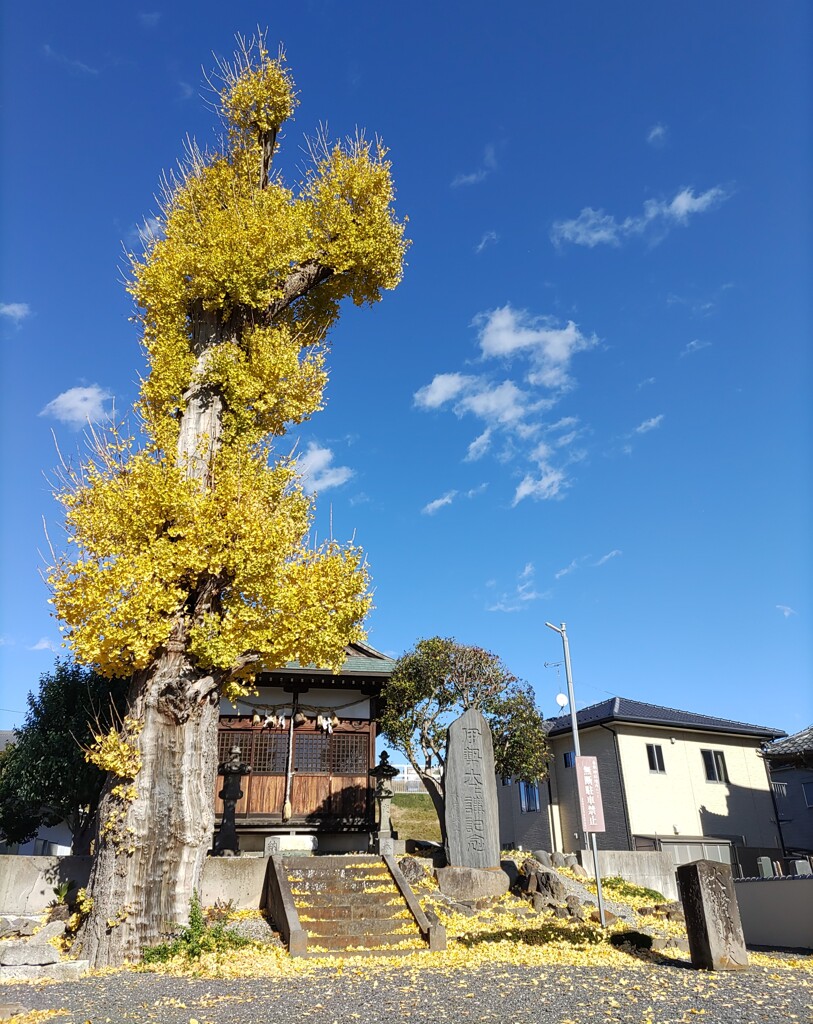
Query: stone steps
{"type": "Point", "coordinates": [351, 909]}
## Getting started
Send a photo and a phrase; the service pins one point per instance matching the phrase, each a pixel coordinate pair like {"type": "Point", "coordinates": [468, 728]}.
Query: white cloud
{"type": "Point", "coordinates": [444, 387]}
{"type": "Point", "coordinates": [511, 411]}
{"type": "Point", "coordinates": [68, 62]}
{"type": "Point", "coordinates": [489, 164]}
{"type": "Point", "coordinates": [77, 407]}
{"type": "Point", "coordinates": [645, 383]}
{"type": "Point", "coordinates": [435, 506]}
{"type": "Point", "coordinates": [185, 91]}
{"type": "Point", "coordinates": [149, 19]}
{"type": "Point", "coordinates": [479, 446]}
{"type": "Point", "coordinates": [595, 227]}
{"type": "Point", "coordinates": [523, 593]}
{"type": "Point", "coordinates": [502, 403]}
{"type": "Point", "coordinates": [695, 346]}
{"type": "Point", "coordinates": [317, 472]}
{"type": "Point", "coordinates": [43, 644]}
{"type": "Point", "coordinates": [651, 424]}
{"type": "Point", "coordinates": [606, 558]}
{"type": "Point", "coordinates": [590, 228]}
{"type": "Point", "coordinates": [657, 135]}
{"type": "Point", "coordinates": [439, 503]}
{"type": "Point", "coordinates": [550, 484]}
{"type": "Point", "coordinates": [489, 238]}
{"type": "Point", "coordinates": [786, 610]}
{"type": "Point", "coordinates": [15, 311]}
{"type": "Point", "coordinates": [506, 331]}
{"type": "Point", "coordinates": [568, 569]}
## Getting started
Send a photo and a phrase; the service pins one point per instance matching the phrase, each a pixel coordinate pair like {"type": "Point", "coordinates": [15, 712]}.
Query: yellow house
{"type": "Point", "coordinates": [689, 784]}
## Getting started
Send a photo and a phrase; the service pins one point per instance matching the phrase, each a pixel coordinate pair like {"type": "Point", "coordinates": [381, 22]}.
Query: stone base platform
{"type": "Point", "coordinates": [466, 884]}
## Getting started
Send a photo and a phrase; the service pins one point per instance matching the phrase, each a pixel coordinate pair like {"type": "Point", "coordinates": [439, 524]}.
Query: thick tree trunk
{"type": "Point", "coordinates": [150, 850]}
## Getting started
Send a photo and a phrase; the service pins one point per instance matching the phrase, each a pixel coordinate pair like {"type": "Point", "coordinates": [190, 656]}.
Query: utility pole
{"type": "Point", "coordinates": [591, 837]}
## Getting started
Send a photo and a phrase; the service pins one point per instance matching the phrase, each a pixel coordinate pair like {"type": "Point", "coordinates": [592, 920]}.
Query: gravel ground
{"type": "Point", "coordinates": [651, 994]}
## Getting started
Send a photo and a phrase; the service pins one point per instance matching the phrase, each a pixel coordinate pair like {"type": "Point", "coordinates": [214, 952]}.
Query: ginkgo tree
{"type": "Point", "coordinates": [189, 568]}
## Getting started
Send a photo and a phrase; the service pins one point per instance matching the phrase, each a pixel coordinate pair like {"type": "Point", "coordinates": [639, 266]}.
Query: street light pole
{"type": "Point", "coordinates": [562, 631]}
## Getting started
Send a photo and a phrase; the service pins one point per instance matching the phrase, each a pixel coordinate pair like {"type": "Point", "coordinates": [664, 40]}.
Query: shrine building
{"type": "Point", "coordinates": [309, 738]}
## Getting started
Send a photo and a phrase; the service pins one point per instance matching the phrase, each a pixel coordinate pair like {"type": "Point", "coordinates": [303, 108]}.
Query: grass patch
{"type": "Point", "coordinates": [414, 817]}
{"type": "Point", "coordinates": [196, 939]}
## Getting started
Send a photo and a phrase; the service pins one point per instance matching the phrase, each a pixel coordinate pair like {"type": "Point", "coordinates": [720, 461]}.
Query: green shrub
{"type": "Point", "coordinates": [197, 938]}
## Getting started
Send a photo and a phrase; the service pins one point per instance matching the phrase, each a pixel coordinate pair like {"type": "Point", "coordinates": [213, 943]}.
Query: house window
{"type": "Point", "coordinates": [528, 796]}
{"type": "Point", "coordinates": [807, 789]}
{"type": "Point", "coordinates": [570, 759]}
{"type": "Point", "coordinates": [714, 763]}
{"type": "Point", "coordinates": [654, 753]}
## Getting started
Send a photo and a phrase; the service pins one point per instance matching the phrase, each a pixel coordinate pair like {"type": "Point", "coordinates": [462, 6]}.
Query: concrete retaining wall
{"type": "Point", "coordinates": [653, 869]}
{"type": "Point", "coordinates": [776, 911]}
{"type": "Point", "coordinates": [241, 879]}
{"type": "Point", "coordinates": [27, 883]}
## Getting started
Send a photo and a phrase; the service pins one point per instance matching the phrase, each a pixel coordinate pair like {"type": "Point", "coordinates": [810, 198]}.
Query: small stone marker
{"type": "Point", "coordinates": [472, 822]}
{"type": "Point", "coordinates": [765, 867]}
{"type": "Point", "coordinates": [716, 940]}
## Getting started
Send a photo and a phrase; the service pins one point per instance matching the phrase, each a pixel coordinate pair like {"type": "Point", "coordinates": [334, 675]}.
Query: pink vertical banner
{"type": "Point", "coordinates": [590, 794]}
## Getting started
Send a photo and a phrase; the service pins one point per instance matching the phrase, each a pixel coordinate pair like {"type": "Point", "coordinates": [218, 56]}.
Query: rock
{"type": "Point", "coordinates": [579, 871]}
{"type": "Point", "coordinates": [716, 940]}
{"type": "Point", "coordinates": [52, 930]}
{"type": "Point", "coordinates": [541, 902]}
{"type": "Point", "coordinates": [609, 917]}
{"type": "Point", "coordinates": [638, 940]}
{"type": "Point", "coordinates": [65, 970]}
{"type": "Point", "coordinates": [467, 883]}
{"type": "Point", "coordinates": [571, 860]}
{"type": "Point", "coordinates": [557, 859]}
{"type": "Point", "coordinates": [59, 912]}
{"type": "Point", "coordinates": [472, 821]}
{"type": "Point", "coordinates": [549, 884]}
{"type": "Point", "coordinates": [464, 909]}
{"type": "Point", "coordinates": [543, 857]}
{"type": "Point", "coordinates": [531, 865]}
{"type": "Point", "coordinates": [675, 915]}
{"type": "Point", "coordinates": [575, 908]}
{"type": "Point", "coordinates": [8, 1010]}
{"type": "Point", "coordinates": [645, 911]}
{"type": "Point", "coordinates": [22, 953]}
{"type": "Point", "coordinates": [412, 871]}
{"type": "Point", "coordinates": [22, 926]}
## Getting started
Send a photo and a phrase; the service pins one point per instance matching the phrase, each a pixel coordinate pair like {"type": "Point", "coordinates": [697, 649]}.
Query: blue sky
{"type": "Point", "coordinates": [587, 402]}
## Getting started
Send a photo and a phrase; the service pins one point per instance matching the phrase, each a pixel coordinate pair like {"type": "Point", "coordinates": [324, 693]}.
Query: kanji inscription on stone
{"type": "Point", "coordinates": [472, 823]}
{"type": "Point", "coordinates": [713, 926]}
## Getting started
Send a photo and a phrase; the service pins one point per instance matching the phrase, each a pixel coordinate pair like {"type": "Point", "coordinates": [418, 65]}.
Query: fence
{"type": "Point", "coordinates": [776, 911]}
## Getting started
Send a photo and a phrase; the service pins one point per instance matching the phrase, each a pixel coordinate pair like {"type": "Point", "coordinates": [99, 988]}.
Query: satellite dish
{"type": "Point", "coordinates": [561, 700]}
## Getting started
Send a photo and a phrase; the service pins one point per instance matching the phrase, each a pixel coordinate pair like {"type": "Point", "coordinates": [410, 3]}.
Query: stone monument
{"type": "Point", "coordinates": [232, 769]}
{"type": "Point", "coordinates": [716, 940]}
{"type": "Point", "coordinates": [472, 820]}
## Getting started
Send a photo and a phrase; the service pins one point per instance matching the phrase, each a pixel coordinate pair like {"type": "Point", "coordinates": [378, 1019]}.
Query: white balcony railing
{"type": "Point", "coordinates": [780, 788]}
